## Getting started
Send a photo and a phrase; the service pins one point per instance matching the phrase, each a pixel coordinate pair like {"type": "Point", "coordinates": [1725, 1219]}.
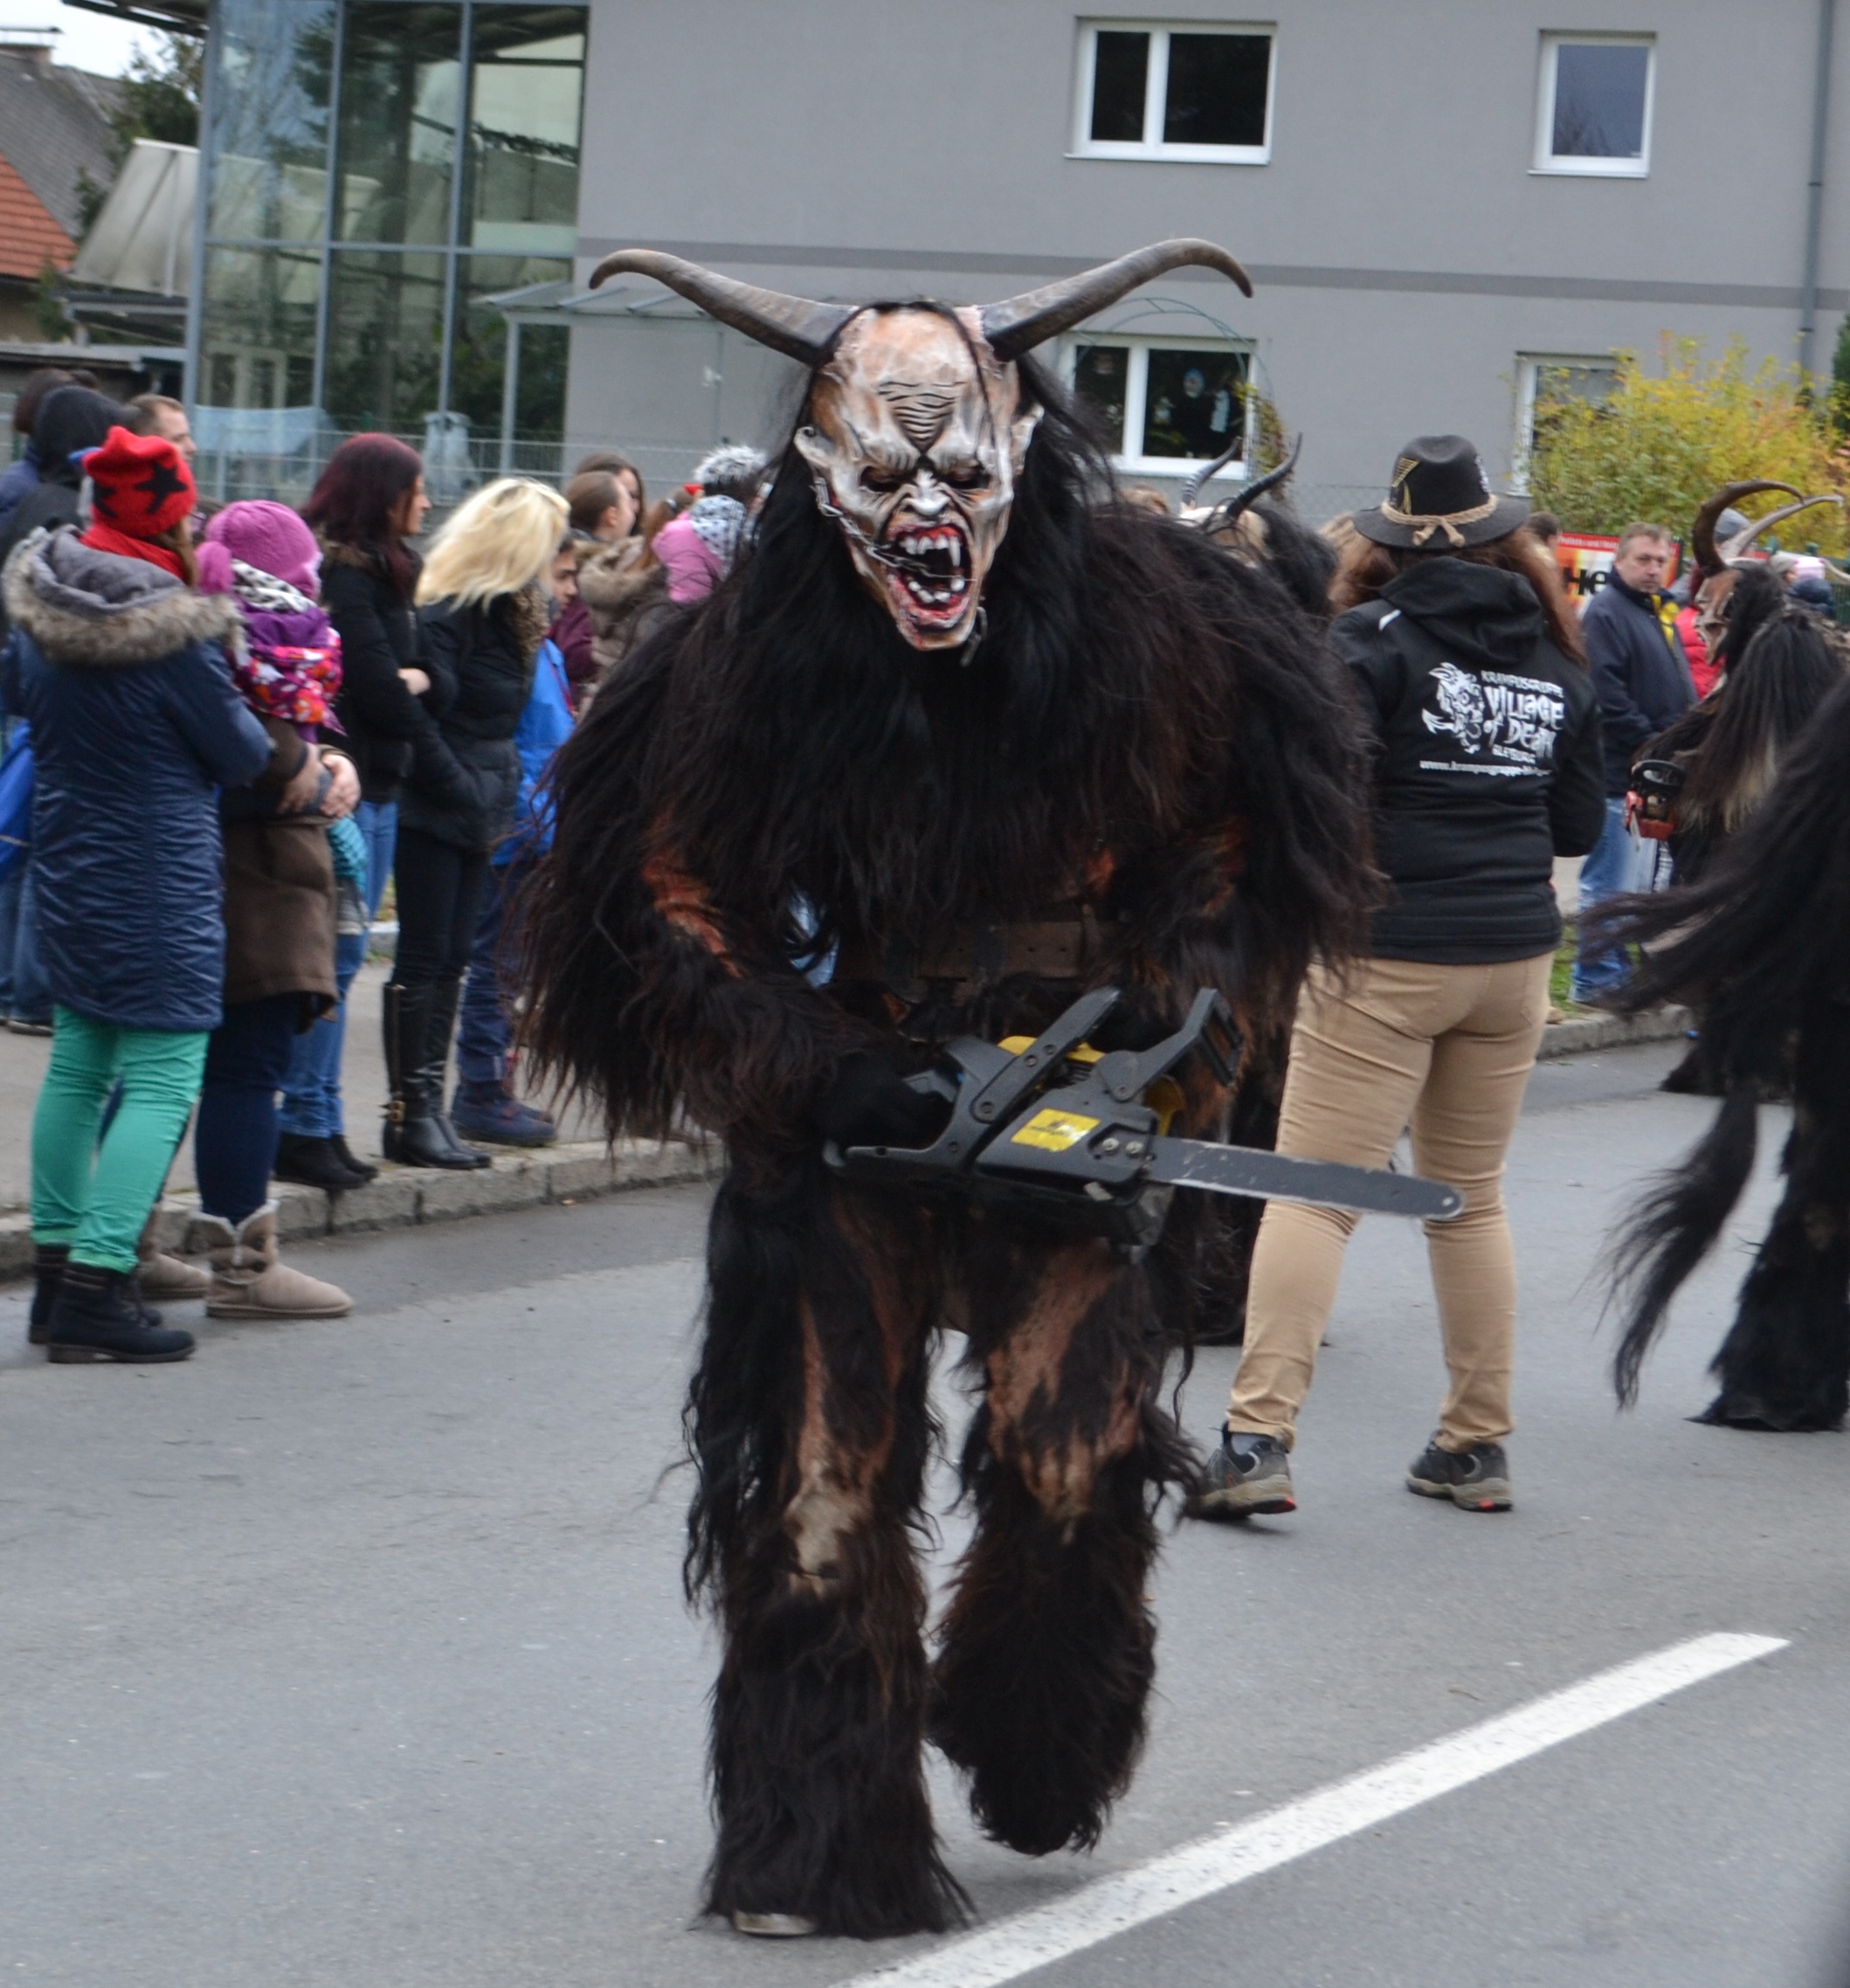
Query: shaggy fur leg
{"type": "Point", "coordinates": [1048, 1647]}
{"type": "Point", "coordinates": [1785, 1364]}
{"type": "Point", "coordinates": [810, 1426]}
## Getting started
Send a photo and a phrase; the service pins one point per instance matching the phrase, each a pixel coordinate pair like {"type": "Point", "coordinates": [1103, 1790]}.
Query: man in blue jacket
{"type": "Point", "coordinates": [1643, 683]}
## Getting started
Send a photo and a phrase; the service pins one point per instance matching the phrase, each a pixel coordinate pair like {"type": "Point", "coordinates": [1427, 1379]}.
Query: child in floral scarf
{"type": "Point", "coordinates": [290, 667]}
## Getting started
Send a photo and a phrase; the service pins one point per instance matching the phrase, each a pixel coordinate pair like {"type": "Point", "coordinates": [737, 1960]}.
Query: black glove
{"type": "Point", "coordinates": [870, 1104]}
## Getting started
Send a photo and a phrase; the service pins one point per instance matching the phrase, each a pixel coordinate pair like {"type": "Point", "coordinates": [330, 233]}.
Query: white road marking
{"type": "Point", "coordinates": [1114, 1905]}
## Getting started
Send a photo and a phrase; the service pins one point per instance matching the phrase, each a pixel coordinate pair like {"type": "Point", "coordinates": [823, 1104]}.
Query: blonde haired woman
{"type": "Point", "coordinates": [482, 614]}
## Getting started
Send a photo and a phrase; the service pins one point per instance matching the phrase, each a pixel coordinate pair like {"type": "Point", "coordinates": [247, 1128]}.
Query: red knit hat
{"type": "Point", "coordinates": [140, 485]}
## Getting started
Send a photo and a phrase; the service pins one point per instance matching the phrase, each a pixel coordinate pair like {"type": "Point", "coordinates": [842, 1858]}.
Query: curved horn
{"type": "Point", "coordinates": [1244, 498]}
{"type": "Point", "coordinates": [793, 325]}
{"type": "Point", "coordinates": [1738, 544]}
{"type": "Point", "coordinates": [1192, 488]}
{"type": "Point", "coordinates": [1702, 531]}
{"type": "Point", "coordinates": [1020, 323]}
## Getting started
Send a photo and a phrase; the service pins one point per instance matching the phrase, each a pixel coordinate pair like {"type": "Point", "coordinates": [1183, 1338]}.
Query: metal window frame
{"type": "Point", "coordinates": [1551, 165]}
{"type": "Point", "coordinates": [453, 252]}
{"type": "Point", "coordinates": [1530, 366]}
{"type": "Point", "coordinates": [1137, 394]}
{"type": "Point", "coordinates": [1083, 145]}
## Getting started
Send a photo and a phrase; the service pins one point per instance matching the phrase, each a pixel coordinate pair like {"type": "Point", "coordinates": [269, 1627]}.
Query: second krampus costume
{"type": "Point", "coordinates": [1757, 940]}
{"type": "Point", "coordinates": [958, 738]}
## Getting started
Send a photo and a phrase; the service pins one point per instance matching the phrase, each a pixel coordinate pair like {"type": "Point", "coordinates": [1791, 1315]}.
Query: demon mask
{"type": "Point", "coordinates": [916, 430]}
{"type": "Point", "coordinates": [916, 435]}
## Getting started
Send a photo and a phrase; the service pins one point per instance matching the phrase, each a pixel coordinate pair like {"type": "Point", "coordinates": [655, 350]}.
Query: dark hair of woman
{"type": "Point", "coordinates": [356, 497]}
{"type": "Point", "coordinates": [178, 540]}
{"type": "Point", "coordinates": [32, 393]}
{"type": "Point", "coordinates": [609, 462]}
{"type": "Point", "coordinates": [590, 496]}
{"type": "Point", "coordinates": [1366, 568]}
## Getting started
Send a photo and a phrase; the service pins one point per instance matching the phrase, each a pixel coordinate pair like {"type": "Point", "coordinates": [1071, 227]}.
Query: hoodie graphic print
{"type": "Point", "coordinates": [1498, 724]}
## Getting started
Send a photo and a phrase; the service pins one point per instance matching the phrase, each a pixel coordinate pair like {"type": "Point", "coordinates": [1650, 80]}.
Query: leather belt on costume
{"type": "Point", "coordinates": [1050, 949]}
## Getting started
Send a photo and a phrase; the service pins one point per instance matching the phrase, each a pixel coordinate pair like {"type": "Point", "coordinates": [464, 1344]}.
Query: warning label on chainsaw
{"type": "Point", "coordinates": [1054, 1130]}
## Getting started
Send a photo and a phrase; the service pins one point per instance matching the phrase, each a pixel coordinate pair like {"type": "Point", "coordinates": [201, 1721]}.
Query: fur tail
{"type": "Point", "coordinates": [1675, 1225]}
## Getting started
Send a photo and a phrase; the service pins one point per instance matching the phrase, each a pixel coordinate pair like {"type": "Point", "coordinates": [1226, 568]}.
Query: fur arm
{"type": "Point", "coordinates": [649, 995]}
{"type": "Point", "coordinates": [1280, 875]}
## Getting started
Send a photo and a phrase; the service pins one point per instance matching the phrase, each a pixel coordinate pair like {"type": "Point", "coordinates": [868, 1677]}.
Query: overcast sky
{"type": "Point", "coordinates": [83, 40]}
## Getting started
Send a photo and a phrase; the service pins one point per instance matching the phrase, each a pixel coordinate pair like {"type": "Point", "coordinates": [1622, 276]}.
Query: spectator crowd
{"type": "Point", "coordinates": [230, 730]}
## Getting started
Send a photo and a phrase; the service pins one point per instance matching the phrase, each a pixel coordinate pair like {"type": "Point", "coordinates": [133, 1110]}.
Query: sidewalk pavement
{"type": "Point", "coordinates": [577, 1167]}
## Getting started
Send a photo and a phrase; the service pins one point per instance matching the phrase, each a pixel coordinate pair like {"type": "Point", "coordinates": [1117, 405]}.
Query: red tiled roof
{"type": "Point", "coordinates": [28, 234]}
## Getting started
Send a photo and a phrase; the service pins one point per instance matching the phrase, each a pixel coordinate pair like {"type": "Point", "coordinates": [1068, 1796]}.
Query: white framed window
{"type": "Point", "coordinates": [1166, 406]}
{"type": "Point", "coordinates": [1545, 377]}
{"type": "Point", "coordinates": [1593, 109]}
{"type": "Point", "coordinates": [1197, 90]}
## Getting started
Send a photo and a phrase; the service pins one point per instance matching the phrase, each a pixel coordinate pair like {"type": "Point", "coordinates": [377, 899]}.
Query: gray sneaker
{"type": "Point", "coordinates": [1244, 1475]}
{"type": "Point", "coordinates": [1476, 1480]}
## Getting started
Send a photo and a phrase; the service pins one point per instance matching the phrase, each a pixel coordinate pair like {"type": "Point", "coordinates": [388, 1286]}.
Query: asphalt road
{"type": "Point", "coordinates": [353, 1654]}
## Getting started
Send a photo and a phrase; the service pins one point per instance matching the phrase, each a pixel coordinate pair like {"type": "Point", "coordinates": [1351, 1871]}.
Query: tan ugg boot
{"type": "Point", "coordinates": [164, 1279]}
{"type": "Point", "coordinates": [249, 1282]}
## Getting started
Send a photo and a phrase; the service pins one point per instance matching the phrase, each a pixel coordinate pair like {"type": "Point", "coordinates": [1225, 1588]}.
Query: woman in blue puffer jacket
{"type": "Point", "coordinates": [136, 723]}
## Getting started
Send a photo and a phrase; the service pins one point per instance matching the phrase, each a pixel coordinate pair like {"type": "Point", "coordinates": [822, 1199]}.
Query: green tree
{"type": "Point", "coordinates": [160, 99]}
{"type": "Point", "coordinates": [1840, 380]}
{"type": "Point", "coordinates": [1667, 439]}
{"type": "Point", "coordinates": [48, 303]}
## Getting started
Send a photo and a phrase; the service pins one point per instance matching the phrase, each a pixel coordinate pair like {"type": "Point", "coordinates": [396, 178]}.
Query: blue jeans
{"type": "Point", "coordinates": [1611, 870]}
{"type": "Point", "coordinates": [31, 998]}
{"type": "Point", "coordinates": [234, 1142]}
{"type": "Point", "coordinates": [485, 1036]}
{"type": "Point", "coordinates": [312, 1090]}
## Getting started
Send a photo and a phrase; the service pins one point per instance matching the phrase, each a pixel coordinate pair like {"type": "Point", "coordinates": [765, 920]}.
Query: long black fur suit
{"type": "Point", "coordinates": [1148, 728]}
{"type": "Point", "coordinates": [1761, 945]}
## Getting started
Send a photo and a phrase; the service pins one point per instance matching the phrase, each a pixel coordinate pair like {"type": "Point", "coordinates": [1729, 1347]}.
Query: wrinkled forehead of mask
{"type": "Point", "coordinates": [916, 436]}
{"type": "Point", "coordinates": [913, 376]}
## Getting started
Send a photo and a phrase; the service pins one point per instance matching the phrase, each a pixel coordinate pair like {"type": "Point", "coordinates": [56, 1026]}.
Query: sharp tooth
{"type": "Point", "coordinates": [958, 586]}
{"type": "Point", "coordinates": [957, 550]}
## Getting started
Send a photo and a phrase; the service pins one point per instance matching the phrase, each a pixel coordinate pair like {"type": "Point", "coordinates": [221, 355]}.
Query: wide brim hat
{"type": "Point", "coordinates": [1439, 499]}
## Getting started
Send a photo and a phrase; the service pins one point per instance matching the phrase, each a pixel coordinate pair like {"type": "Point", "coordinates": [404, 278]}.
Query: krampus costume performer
{"type": "Point", "coordinates": [958, 738]}
{"type": "Point", "coordinates": [1761, 947]}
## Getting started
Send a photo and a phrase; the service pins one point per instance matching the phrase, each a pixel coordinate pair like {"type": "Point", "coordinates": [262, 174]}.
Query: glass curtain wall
{"type": "Point", "coordinates": [378, 171]}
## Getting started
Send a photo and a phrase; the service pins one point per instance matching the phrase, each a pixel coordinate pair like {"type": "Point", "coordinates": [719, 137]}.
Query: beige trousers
{"type": "Point", "coordinates": [1448, 1050]}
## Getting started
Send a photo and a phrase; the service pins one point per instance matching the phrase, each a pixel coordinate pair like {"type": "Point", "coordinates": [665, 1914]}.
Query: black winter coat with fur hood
{"type": "Point", "coordinates": [136, 723]}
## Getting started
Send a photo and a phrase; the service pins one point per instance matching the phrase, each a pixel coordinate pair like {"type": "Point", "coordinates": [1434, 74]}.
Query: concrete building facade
{"type": "Point", "coordinates": [1437, 199]}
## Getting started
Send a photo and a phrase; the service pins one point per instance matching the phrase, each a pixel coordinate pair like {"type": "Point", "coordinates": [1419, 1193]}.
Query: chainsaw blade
{"type": "Point", "coordinates": [1283, 1176]}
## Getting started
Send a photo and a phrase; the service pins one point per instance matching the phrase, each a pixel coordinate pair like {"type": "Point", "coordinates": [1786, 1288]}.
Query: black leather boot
{"type": "Point", "coordinates": [415, 1136]}
{"type": "Point", "coordinates": [48, 1275]}
{"type": "Point", "coordinates": [446, 997]}
{"type": "Point", "coordinates": [97, 1317]}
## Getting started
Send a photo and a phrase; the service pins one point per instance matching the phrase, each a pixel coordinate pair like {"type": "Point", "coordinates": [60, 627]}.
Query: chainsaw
{"type": "Point", "coordinates": [1050, 1129]}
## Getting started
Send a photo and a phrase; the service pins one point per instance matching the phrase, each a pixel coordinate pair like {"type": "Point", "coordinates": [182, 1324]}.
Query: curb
{"type": "Point", "coordinates": [1612, 1031]}
{"type": "Point", "coordinates": [406, 1197]}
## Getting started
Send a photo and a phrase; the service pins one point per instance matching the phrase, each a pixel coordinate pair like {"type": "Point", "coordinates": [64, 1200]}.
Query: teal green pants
{"type": "Point", "coordinates": [96, 1197]}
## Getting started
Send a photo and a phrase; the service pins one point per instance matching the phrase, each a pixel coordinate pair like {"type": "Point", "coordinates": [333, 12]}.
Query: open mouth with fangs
{"type": "Point", "coordinates": [929, 571]}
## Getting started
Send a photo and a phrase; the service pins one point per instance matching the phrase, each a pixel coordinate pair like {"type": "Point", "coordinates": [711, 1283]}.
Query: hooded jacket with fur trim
{"type": "Point", "coordinates": [135, 724]}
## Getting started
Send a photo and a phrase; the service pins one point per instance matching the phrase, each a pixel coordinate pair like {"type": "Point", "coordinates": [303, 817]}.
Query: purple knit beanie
{"type": "Point", "coordinates": [268, 536]}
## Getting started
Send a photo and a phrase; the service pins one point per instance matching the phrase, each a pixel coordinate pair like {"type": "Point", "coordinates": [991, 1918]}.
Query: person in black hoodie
{"type": "Point", "coordinates": [483, 614]}
{"type": "Point", "coordinates": [70, 420]}
{"type": "Point", "coordinates": [1487, 765]}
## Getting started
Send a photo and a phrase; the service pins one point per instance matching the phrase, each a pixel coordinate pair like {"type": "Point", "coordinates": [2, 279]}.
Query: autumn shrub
{"type": "Point", "coordinates": [1666, 439]}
